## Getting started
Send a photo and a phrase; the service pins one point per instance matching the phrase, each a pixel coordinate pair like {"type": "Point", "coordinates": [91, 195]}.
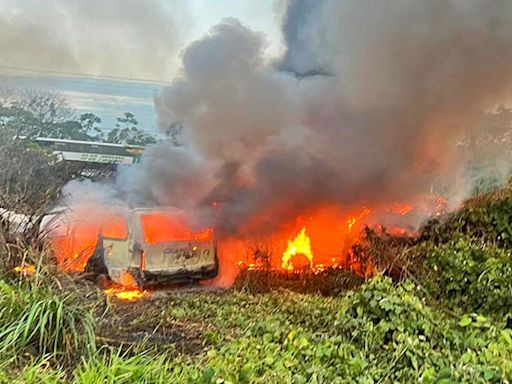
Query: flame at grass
{"type": "Point", "coordinates": [127, 293]}
{"type": "Point", "coordinates": [300, 245]}
{"type": "Point", "coordinates": [25, 269]}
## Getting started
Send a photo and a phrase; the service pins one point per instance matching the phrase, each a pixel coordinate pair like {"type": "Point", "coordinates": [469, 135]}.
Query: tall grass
{"type": "Point", "coordinates": [35, 319]}
{"type": "Point", "coordinates": [39, 371]}
{"type": "Point", "coordinates": [109, 366]}
{"type": "Point", "coordinates": [114, 367]}
{"type": "Point", "coordinates": [38, 317]}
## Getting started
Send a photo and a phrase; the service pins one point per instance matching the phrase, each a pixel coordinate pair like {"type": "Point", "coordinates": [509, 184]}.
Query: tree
{"type": "Point", "coordinates": [127, 132]}
{"type": "Point", "coordinates": [48, 107]}
{"type": "Point", "coordinates": [17, 121]}
{"type": "Point", "coordinates": [46, 114]}
{"type": "Point", "coordinates": [34, 113]}
{"type": "Point", "coordinates": [30, 178]}
{"type": "Point", "coordinates": [85, 128]}
{"type": "Point", "coordinates": [174, 131]}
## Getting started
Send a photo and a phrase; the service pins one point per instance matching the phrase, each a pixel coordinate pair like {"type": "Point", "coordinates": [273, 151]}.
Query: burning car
{"type": "Point", "coordinates": [145, 246]}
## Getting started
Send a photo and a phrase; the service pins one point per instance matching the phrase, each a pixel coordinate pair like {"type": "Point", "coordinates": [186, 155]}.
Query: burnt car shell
{"type": "Point", "coordinates": [163, 259]}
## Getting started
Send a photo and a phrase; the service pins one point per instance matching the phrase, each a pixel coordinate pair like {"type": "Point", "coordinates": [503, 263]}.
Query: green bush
{"type": "Point", "coordinates": [377, 313]}
{"type": "Point", "coordinates": [487, 217]}
{"type": "Point", "coordinates": [468, 275]}
{"type": "Point", "coordinates": [382, 332]}
{"type": "Point", "coordinates": [413, 340]}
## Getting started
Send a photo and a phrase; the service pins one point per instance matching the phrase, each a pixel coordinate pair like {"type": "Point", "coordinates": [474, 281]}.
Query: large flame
{"type": "Point", "coordinates": [300, 245]}
{"type": "Point", "coordinates": [331, 233]}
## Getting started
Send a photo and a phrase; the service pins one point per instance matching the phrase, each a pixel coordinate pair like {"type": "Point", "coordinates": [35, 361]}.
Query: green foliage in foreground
{"type": "Point", "coordinates": [379, 333]}
{"type": "Point", "coordinates": [487, 217]}
{"type": "Point", "coordinates": [470, 275]}
{"type": "Point", "coordinates": [35, 320]}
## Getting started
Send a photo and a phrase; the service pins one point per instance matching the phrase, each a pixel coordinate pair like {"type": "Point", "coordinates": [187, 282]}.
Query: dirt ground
{"type": "Point", "coordinates": [147, 320]}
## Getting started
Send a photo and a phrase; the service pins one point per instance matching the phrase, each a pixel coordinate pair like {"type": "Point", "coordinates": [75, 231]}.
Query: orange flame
{"type": "Point", "coordinates": [127, 290]}
{"type": "Point", "coordinates": [300, 245]}
{"type": "Point", "coordinates": [402, 209]}
{"type": "Point", "coordinates": [25, 269]}
{"type": "Point", "coordinates": [350, 223]}
{"type": "Point", "coordinates": [159, 227]}
{"type": "Point", "coordinates": [127, 293]}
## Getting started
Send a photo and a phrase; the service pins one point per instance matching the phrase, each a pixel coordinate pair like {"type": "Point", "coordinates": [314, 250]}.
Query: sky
{"type": "Point", "coordinates": [112, 56]}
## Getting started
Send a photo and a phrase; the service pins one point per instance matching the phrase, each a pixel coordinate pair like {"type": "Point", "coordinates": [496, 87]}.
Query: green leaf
{"type": "Point", "coordinates": [208, 375]}
{"type": "Point", "coordinates": [488, 375]}
{"type": "Point", "coordinates": [465, 321]}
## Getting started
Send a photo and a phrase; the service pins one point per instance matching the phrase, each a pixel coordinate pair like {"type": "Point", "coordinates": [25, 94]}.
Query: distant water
{"type": "Point", "coordinates": [106, 98]}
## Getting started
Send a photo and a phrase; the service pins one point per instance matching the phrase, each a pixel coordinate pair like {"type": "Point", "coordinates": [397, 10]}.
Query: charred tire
{"type": "Point", "coordinates": [102, 281]}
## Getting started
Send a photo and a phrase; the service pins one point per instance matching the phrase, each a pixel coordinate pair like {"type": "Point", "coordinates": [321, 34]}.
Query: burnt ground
{"type": "Point", "coordinates": [147, 322]}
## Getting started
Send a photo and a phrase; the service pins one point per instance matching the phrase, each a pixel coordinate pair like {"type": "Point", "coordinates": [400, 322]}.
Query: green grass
{"type": "Point", "coordinates": [382, 332]}
{"type": "Point", "coordinates": [115, 367]}
{"type": "Point", "coordinates": [35, 372]}
{"type": "Point", "coordinates": [36, 320]}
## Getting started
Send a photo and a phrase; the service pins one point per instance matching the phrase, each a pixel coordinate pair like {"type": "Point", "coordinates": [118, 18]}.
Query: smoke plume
{"type": "Point", "coordinates": [367, 105]}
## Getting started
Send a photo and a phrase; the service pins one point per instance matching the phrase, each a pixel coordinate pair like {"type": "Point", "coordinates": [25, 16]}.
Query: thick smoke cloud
{"type": "Point", "coordinates": [227, 95]}
{"type": "Point", "coordinates": [167, 175]}
{"type": "Point", "coordinates": [115, 37]}
{"type": "Point", "coordinates": [366, 106]}
{"type": "Point", "coordinates": [299, 59]}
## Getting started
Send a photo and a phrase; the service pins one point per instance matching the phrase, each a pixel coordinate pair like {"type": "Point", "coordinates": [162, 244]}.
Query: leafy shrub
{"type": "Point", "coordinates": [382, 332]}
{"type": "Point", "coordinates": [486, 217]}
{"type": "Point", "coordinates": [378, 312]}
{"type": "Point", "coordinates": [416, 341]}
{"type": "Point", "coordinates": [470, 275]}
